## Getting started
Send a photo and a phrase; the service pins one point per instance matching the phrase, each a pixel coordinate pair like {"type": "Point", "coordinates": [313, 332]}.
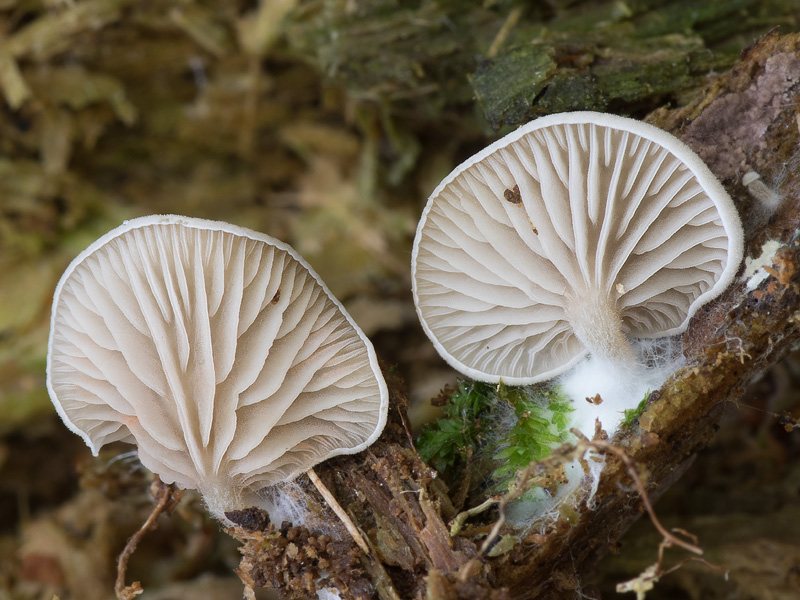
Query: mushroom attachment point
{"type": "Point", "coordinates": [217, 351]}
{"type": "Point", "coordinates": [573, 234]}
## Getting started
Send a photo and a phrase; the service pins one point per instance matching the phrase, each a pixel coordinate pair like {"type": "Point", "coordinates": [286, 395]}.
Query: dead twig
{"type": "Point", "coordinates": [669, 539]}
{"type": "Point", "coordinates": [167, 498]}
{"type": "Point", "coordinates": [651, 575]}
{"type": "Point", "coordinates": [338, 510]}
{"type": "Point", "coordinates": [407, 429]}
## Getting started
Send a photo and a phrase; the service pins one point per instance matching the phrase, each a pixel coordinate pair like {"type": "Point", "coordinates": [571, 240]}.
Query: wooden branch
{"type": "Point", "coordinates": [746, 122]}
{"type": "Point", "coordinates": [746, 119]}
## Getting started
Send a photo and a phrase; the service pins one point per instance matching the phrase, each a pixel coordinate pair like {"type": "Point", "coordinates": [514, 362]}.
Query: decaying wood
{"type": "Point", "coordinates": [748, 121]}
{"type": "Point", "coordinates": [334, 506]}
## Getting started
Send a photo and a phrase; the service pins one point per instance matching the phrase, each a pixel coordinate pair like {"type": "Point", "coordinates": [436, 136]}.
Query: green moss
{"type": "Point", "coordinates": [543, 419]}
{"type": "Point", "coordinates": [472, 426]}
{"type": "Point", "coordinates": [632, 414]}
{"type": "Point", "coordinates": [462, 429]}
{"type": "Point", "coordinates": [615, 57]}
{"type": "Point", "coordinates": [511, 85]}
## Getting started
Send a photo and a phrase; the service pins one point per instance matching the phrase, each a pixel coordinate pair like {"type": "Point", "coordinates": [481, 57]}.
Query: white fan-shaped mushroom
{"type": "Point", "coordinates": [571, 234]}
{"type": "Point", "coordinates": [217, 350]}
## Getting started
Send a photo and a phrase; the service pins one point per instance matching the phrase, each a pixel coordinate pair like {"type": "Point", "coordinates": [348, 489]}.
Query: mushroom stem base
{"type": "Point", "coordinates": [598, 325]}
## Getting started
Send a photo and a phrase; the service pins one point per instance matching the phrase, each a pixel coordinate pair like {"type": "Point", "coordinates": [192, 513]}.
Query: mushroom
{"type": "Point", "coordinates": [571, 235]}
{"type": "Point", "coordinates": [767, 196]}
{"type": "Point", "coordinates": [216, 350]}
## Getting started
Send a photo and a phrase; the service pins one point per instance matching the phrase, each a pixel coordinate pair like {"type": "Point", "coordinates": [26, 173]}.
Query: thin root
{"type": "Point", "coordinates": [630, 465]}
{"type": "Point", "coordinates": [167, 498]}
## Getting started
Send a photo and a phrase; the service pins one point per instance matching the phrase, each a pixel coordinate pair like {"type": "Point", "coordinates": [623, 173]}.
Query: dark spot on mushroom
{"type": "Point", "coordinates": [513, 196]}
{"type": "Point", "coordinates": [276, 297]}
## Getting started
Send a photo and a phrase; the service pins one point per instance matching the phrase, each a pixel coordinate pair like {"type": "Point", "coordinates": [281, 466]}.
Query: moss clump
{"type": "Point", "coordinates": [505, 427]}
{"type": "Point", "coordinates": [461, 431]}
{"type": "Point", "coordinates": [543, 420]}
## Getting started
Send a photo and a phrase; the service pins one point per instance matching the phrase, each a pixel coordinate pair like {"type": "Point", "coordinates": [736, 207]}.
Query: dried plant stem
{"type": "Point", "coordinates": [646, 580]}
{"type": "Point", "coordinates": [408, 430]}
{"type": "Point", "coordinates": [630, 465]}
{"type": "Point", "coordinates": [508, 25]}
{"type": "Point", "coordinates": [457, 523]}
{"type": "Point", "coordinates": [337, 508]}
{"type": "Point", "coordinates": [167, 497]}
